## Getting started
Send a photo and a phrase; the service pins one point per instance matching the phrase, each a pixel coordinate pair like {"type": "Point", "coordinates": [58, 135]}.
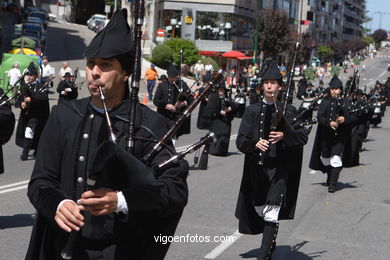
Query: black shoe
{"type": "Point", "coordinates": [23, 157]}
{"type": "Point", "coordinates": [327, 182]}
{"type": "Point", "coordinates": [332, 189]}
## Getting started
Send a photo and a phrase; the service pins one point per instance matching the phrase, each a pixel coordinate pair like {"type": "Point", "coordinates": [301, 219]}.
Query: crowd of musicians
{"type": "Point", "coordinates": [106, 179]}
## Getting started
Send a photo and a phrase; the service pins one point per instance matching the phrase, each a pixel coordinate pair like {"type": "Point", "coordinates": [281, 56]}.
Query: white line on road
{"type": "Point", "coordinates": [372, 81]}
{"type": "Point", "coordinates": [13, 184]}
{"type": "Point", "coordinates": [14, 189]}
{"type": "Point", "coordinates": [223, 246]}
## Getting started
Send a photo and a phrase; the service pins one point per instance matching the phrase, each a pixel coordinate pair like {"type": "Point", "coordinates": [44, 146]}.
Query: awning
{"type": "Point", "coordinates": [208, 53]}
{"type": "Point", "coordinates": [245, 58]}
{"type": "Point", "coordinates": [233, 54]}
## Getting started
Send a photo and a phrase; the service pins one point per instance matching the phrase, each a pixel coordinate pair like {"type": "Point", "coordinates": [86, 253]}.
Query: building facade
{"type": "Point", "coordinates": [214, 25]}
{"type": "Point", "coordinates": [328, 21]}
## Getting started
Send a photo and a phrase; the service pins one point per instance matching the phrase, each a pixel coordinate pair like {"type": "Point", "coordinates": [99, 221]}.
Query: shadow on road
{"type": "Point", "coordinates": [18, 220]}
{"type": "Point", "coordinates": [64, 44]}
{"type": "Point", "coordinates": [286, 252]}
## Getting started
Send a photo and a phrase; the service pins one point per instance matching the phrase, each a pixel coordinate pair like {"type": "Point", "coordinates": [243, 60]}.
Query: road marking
{"type": "Point", "coordinates": [372, 80]}
{"type": "Point", "coordinates": [14, 189]}
{"type": "Point", "coordinates": [13, 184]}
{"type": "Point", "coordinates": [223, 246]}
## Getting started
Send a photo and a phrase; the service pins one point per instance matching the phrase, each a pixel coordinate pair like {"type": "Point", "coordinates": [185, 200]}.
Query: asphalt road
{"type": "Point", "coordinates": [352, 223]}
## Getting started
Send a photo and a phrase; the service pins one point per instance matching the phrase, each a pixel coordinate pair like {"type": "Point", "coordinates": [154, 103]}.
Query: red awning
{"type": "Point", "coordinates": [245, 58]}
{"type": "Point", "coordinates": [208, 53]}
{"type": "Point", "coordinates": [233, 54]}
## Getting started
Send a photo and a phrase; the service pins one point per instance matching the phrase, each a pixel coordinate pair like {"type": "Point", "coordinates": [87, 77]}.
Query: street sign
{"type": "Point", "coordinates": [107, 8]}
{"type": "Point", "coordinates": [188, 19]}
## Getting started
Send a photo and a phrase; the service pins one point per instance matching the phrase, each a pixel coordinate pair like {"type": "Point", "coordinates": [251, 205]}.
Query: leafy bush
{"type": "Point", "coordinates": [162, 56]}
{"type": "Point", "coordinates": [356, 61]}
{"type": "Point", "coordinates": [190, 51]}
{"type": "Point", "coordinates": [310, 73]}
{"type": "Point", "coordinates": [335, 70]}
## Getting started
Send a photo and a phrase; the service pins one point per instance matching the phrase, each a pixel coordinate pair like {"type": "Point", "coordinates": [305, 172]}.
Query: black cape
{"type": "Point", "coordinates": [289, 162]}
{"type": "Point", "coordinates": [72, 133]}
{"type": "Point", "coordinates": [7, 124]}
{"type": "Point", "coordinates": [38, 110]}
{"type": "Point", "coordinates": [169, 94]}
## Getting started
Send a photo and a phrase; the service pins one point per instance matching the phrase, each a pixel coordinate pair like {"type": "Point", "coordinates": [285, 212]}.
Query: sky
{"type": "Point", "coordinates": [374, 6]}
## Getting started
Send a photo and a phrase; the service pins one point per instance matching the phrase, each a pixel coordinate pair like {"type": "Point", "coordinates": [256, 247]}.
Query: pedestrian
{"type": "Point", "coordinates": [66, 89]}
{"type": "Point", "coordinates": [269, 186]}
{"type": "Point", "coordinates": [172, 97]}
{"type": "Point", "coordinates": [332, 131]}
{"type": "Point", "coordinates": [151, 77]}
{"type": "Point", "coordinates": [121, 222]}
{"type": "Point", "coordinates": [47, 72]}
{"type": "Point", "coordinates": [7, 124]}
{"type": "Point", "coordinates": [35, 110]}
{"type": "Point", "coordinates": [14, 74]}
{"type": "Point", "coordinates": [207, 70]}
{"type": "Point", "coordinates": [198, 70]}
{"type": "Point", "coordinates": [64, 69]}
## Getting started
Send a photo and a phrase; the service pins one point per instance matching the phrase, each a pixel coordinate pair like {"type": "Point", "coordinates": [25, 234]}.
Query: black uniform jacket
{"type": "Point", "coordinates": [7, 124]}
{"type": "Point", "coordinates": [288, 163]}
{"type": "Point", "coordinates": [221, 125]}
{"type": "Point", "coordinates": [38, 109]}
{"type": "Point", "coordinates": [70, 95]}
{"type": "Point", "coordinates": [169, 94]}
{"type": "Point", "coordinates": [327, 112]}
{"type": "Point", "coordinates": [71, 136]}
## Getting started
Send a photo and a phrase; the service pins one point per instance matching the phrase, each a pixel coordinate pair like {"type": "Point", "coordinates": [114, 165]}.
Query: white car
{"type": "Point", "coordinates": [91, 21]}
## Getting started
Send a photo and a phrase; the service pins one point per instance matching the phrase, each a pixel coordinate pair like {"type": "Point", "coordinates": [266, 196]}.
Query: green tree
{"type": "Point", "coordinates": [274, 32]}
{"type": "Point", "coordinates": [190, 51]}
{"type": "Point", "coordinates": [162, 55]}
{"type": "Point", "coordinates": [324, 52]}
{"type": "Point", "coordinates": [378, 36]}
{"type": "Point", "coordinates": [368, 40]}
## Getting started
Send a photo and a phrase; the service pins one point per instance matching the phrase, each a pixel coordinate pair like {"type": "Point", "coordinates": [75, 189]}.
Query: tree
{"type": "Point", "coordinates": [324, 52]}
{"type": "Point", "coordinates": [190, 51]}
{"type": "Point", "coordinates": [368, 40]}
{"type": "Point", "coordinates": [274, 32]}
{"type": "Point", "coordinates": [379, 35]}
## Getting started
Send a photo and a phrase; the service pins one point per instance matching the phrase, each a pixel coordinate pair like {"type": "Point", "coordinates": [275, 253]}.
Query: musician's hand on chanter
{"type": "Point", "coordinates": [100, 201]}
{"type": "Point", "coordinates": [340, 119]}
{"type": "Point", "coordinates": [170, 107]}
{"type": "Point", "coordinates": [68, 216]}
{"type": "Point", "coordinates": [223, 113]}
{"type": "Point", "coordinates": [275, 136]}
{"type": "Point", "coordinates": [333, 125]}
{"type": "Point", "coordinates": [23, 105]}
{"type": "Point", "coordinates": [262, 144]}
{"type": "Point", "coordinates": [181, 103]}
{"type": "Point", "coordinates": [27, 99]}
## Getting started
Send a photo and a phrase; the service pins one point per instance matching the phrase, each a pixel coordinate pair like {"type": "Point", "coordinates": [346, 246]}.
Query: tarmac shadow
{"type": "Point", "coordinates": [285, 252]}
{"type": "Point", "coordinates": [346, 185]}
{"type": "Point", "coordinates": [18, 220]}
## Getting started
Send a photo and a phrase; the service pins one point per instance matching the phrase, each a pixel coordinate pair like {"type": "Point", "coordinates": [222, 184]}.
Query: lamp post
{"type": "Point", "coordinates": [256, 43]}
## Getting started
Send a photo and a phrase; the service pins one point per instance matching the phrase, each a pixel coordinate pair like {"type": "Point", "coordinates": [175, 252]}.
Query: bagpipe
{"type": "Point", "coordinates": [110, 155]}
{"type": "Point", "coordinates": [46, 85]}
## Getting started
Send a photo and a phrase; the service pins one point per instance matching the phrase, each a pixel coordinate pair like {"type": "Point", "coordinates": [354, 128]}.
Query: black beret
{"type": "Point", "coordinates": [335, 82]}
{"type": "Point", "coordinates": [172, 71]}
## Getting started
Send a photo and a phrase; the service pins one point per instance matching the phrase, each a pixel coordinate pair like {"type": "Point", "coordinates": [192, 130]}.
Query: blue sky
{"type": "Point", "coordinates": [382, 6]}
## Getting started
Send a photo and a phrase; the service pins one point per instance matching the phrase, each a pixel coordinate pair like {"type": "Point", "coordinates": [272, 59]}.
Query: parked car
{"type": "Point", "coordinates": [99, 25]}
{"type": "Point", "coordinates": [93, 18]}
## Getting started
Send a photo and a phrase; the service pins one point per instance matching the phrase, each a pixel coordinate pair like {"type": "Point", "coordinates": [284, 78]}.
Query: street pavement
{"type": "Point", "coordinates": [352, 223]}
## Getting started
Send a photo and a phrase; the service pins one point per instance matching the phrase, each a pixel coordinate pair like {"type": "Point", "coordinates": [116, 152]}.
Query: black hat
{"type": "Point", "coordinates": [31, 69]}
{"type": "Point", "coordinates": [272, 72]}
{"type": "Point", "coordinates": [359, 92]}
{"type": "Point", "coordinates": [115, 39]}
{"type": "Point", "coordinates": [67, 74]}
{"type": "Point", "coordinates": [172, 71]}
{"type": "Point", "coordinates": [335, 82]}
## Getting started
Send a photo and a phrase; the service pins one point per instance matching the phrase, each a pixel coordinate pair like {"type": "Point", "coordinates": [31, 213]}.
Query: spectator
{"type": "Point", "coordinates": [14, 74]}
{"type": "Point", "coordinates": [151, 76]}
{"type": "Point", "coordinates": [64, 69]}
{"type": "Point", "coordinates": [47, 72]}
{"type": "Point", "coordinates": [198, 69]}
